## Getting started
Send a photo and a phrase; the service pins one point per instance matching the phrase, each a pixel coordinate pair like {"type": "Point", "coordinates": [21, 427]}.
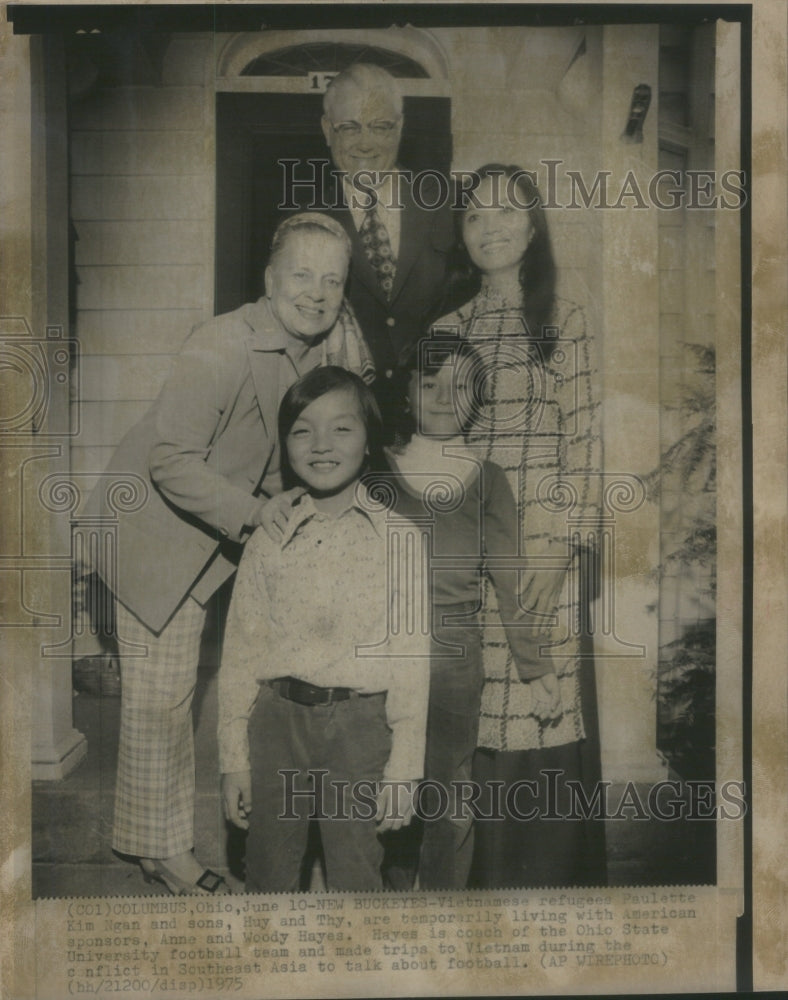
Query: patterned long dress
{"type": "Point", "coordinates": [541, 424]}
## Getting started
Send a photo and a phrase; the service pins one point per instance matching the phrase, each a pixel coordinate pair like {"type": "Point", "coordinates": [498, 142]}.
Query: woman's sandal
{"type": "Point", "coordinates": [207, 884]}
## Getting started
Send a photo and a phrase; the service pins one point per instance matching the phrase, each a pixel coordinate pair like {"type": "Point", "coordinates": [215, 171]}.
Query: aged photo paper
{"type": "Point", "coordinates": [149, 153]}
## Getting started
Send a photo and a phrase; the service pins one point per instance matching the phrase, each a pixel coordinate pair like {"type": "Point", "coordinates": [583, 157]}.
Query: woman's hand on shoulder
{"type": "Point", "coordinates": [273, 514]}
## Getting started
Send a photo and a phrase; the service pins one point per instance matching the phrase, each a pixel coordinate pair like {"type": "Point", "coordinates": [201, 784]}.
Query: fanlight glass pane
{"type": "Point", "coordinates": [331, 57]}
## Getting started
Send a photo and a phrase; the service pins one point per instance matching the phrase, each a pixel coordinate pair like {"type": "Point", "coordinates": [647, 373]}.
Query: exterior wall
{"type": "Point", "coordinates": [631, 402]}
{"type": "Point", "coordinates": [142, 177]}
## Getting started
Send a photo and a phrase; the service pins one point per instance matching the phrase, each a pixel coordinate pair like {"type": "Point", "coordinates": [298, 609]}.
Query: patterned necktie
{"type": "Point", "coordinates": [377, 247]}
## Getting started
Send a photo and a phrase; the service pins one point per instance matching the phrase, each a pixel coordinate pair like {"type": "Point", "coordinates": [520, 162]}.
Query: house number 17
{"type": "Point", "coordinates": [320, 81]}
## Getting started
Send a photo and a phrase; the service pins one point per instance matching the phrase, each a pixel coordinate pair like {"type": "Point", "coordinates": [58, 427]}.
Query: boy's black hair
{"type": "Point", "coordinates": [312, 386]}
{"type": "Point", "coordinates": [426, 357]}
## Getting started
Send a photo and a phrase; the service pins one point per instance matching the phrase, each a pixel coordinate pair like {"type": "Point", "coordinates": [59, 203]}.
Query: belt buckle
{"type": "Point", "coordinates": [300, 692]}
{"type": "Point", "coordinates": [311, 695]}
{"type": "Point", "coordinates": [326, 695]}
{"type": "Point", "coordinates": [304, 693]}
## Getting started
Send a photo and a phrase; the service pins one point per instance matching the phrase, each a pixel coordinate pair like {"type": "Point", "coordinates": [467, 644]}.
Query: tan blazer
{"type": "Point", "coordinates": [204, 451]}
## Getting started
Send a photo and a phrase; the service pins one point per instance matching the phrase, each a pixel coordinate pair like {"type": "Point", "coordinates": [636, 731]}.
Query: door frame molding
{"type": "Point", "coordinates": [234, 52]}
{"type": "Point", "coordinates": [243, 48]}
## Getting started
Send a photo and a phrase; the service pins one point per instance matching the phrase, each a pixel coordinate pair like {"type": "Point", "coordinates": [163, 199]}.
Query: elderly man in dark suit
{"type": "Point", "coordinates": [400, 246]}
{"type": "Point", "coordinates": [208, 456]}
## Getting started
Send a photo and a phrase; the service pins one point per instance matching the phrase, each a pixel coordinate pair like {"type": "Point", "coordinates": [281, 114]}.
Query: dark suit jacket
{"type": "Point", "coordinates": [426, 236]}
{"type": "Point", "coordinates": [202, 452]}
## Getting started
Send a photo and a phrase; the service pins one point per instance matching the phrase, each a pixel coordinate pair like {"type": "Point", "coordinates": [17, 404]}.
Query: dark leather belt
{"type": "Point", "coordinates": [308, 694]}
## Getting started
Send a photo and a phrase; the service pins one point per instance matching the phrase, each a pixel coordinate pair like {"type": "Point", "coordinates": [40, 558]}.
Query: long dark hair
{"type": "Point", "coordinates": [319, 382]}
{"type": "Point", "coordinates": [537, 268]}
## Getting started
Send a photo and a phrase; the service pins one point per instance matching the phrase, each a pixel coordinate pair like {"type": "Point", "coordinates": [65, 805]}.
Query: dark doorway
{"type": "Point", "coordinates": [255, 133]}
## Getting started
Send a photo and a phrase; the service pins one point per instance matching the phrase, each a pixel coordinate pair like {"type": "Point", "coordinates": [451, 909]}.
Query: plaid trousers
{"type": "Point", "coordinates": [154, 793]}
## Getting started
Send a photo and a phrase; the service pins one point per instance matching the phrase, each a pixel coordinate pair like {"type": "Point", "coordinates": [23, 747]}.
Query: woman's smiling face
{"type": "Point", "coordinates": [306, 283]}
{"type": "Point", "coordinates": [496, 237]}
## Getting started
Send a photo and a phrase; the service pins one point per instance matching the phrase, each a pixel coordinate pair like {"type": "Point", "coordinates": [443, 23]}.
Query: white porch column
{"type": "Point", "coordinates": [630, 393]}
{"type": "Point", "coordinates": [57, 746]}
{"type": "Point", "coordinates": [35, 428]}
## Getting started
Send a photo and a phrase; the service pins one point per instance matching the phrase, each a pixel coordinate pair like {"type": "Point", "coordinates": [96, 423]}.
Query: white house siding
{"type": "Point", "coordinates": [142, 180]}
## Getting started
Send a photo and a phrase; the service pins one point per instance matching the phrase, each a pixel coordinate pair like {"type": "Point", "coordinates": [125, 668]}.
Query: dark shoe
{"type": "Point", "coordinates": [207, 884]}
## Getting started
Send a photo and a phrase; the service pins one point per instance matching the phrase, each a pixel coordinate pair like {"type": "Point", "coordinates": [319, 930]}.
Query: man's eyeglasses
{"type": "Point", "coordinates": [352, 130]}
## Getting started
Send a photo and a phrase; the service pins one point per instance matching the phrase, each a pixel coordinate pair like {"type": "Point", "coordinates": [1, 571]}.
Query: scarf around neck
{"type": "Point", "coordinates": [346, 347]}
